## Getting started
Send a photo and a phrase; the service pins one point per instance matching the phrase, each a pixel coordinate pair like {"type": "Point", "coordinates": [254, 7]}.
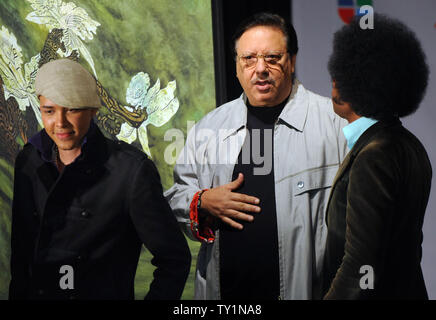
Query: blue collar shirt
{"type": "Point", "coordinates": [355, 129]}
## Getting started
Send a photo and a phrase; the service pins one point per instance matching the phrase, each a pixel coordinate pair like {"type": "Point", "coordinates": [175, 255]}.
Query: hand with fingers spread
{"type": "Point", "coordinates": [227, 205]}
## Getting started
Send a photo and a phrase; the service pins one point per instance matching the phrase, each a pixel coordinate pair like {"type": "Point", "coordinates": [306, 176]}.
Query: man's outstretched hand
{"type": "Point", "coordinates": [227, 205]}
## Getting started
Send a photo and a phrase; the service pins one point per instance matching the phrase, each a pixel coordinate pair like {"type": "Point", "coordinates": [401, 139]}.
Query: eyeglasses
{"type": "Point", "coordinates": [250, 60]}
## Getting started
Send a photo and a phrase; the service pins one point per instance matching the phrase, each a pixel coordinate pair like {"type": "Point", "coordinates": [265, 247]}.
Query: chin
{"type": "Point", "coordinates": [65, 146]}
{"type": "Point", "coordinates": [260, 101]}
{"type": "Point", "coordinates": [268, 103]}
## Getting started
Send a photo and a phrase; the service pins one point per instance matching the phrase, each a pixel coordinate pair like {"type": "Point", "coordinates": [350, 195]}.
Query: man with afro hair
{"type": "Point", "coordinates": [379, 196]}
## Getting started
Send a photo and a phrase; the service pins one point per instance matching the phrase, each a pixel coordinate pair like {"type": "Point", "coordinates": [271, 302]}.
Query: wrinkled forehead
{"type": "Point", "coordinates": [259, 39]}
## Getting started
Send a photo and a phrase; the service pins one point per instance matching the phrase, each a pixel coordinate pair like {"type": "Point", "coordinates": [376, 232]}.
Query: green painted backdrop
{"type": "Point", "coordinates": [168, 40]}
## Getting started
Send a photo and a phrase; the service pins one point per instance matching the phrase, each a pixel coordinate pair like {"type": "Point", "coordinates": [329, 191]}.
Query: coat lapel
{"type": "Point", "coordinates": [347, 161]}
{"type": "Point", "coordinates": [364, 139]}
{"type": "Point", "coordinates": [342, 169]}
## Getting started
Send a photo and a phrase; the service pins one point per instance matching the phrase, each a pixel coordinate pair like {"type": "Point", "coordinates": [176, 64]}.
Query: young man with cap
{"type": "Point", "coordinates": [84, 205]}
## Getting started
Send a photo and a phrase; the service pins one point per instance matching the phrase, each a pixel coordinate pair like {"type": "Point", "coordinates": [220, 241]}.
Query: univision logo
{"type": "Point", "coordinates": [347, 9]}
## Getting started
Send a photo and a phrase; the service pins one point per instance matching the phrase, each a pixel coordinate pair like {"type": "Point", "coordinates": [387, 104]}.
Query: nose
{"type": "Point", "coordinates": [61, 119]}
{"type": "Point", "coordinates": [261, 67]}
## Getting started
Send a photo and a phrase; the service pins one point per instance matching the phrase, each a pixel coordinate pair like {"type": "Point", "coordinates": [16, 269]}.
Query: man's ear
{"type": "Point", "coordinates": [293, 61]}
{"type": "Point", "coordinates": [335, 94]}
{"type": "Point", "coordinates": [238, 68]}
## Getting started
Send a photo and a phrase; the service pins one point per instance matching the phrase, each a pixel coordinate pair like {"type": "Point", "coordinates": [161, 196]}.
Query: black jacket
{"type": "Point", "coordinates": [94, 216]}
{"type": "Point", "coordinates": [375, 216]}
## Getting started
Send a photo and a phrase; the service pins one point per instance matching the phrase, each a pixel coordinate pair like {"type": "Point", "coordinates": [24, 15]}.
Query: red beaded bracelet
{"type": "Point", "coordinates": [202, 233]}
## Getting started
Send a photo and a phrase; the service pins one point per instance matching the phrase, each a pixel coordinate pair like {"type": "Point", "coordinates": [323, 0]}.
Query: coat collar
{"type": "Point", "coordinates": [363, 140]}
{"type": "Point", "coordinates": [44, 144]}
{"type": "Point", "coordinates": [294, 113]}
{"type": "Point", "coordinates": [86, 167]}
{"type": "Point", "coordinates": [367, 135]}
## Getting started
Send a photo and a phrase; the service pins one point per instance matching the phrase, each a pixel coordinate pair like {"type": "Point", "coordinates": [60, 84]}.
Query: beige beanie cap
{"type": "Point", "coordinates": [68, 84]}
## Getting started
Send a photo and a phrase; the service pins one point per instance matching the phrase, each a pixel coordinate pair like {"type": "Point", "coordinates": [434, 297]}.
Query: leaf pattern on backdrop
{"type": "Point", "coordinates": [70, 27]}
{"type": "Point", "coordinates": [18, 79]}
{"type": "Point", "coordinates": [160, 104]}
{"type": "Point", "coordinates": [77, 26]}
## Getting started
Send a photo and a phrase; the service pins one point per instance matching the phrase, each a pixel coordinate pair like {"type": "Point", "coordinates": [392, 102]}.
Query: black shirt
{"type": "Point", "coordinates": [249, 260]}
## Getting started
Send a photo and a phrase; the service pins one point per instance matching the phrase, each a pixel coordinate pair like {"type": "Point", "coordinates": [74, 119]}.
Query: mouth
{"type": "Point", "coordinates": [262, 85]}
{"type": "Point", "coordinates": [63, 135]}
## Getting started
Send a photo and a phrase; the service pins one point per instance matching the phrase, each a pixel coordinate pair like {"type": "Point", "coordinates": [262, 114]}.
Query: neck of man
{"type": "Point", "coordinates": [270, 105]}
{"type": "Point", "coordinates": [352, 117]}
{"type": "Point", "coordinates": [66, 157]}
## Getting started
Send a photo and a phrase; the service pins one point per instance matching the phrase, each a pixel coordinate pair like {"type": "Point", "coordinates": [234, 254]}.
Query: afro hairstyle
{"type": "Point", "coordinates": [381, 72]}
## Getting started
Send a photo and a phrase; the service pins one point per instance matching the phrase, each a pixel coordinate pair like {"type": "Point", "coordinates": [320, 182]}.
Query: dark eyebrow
{"type": "Point", "coordinates": [51, 107]}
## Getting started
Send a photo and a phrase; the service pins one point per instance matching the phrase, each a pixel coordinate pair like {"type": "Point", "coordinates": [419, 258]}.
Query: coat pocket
{"type": "Point", "coordinates": [313, 179]}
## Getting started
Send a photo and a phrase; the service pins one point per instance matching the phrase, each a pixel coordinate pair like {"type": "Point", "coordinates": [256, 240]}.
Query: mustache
{"type": "Point", "coordinates": [257, 79]}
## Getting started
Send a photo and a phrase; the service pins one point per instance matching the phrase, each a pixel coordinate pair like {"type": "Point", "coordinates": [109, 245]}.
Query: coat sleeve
{"type": "Point", "coordinates": [160, 233]}
{"type": "Point", "coordinates": [373, 185]}
{"type": "Point", "coordinates": [186, 185]}
{"type": "Point", "coordinates": [21, 244]}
